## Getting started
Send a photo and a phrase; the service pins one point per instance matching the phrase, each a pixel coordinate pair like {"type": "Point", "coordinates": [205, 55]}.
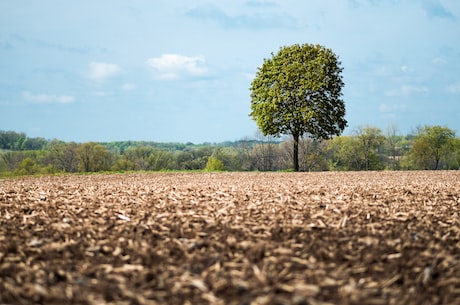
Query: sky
{"type": "Point", "coordinates": [180, 71]}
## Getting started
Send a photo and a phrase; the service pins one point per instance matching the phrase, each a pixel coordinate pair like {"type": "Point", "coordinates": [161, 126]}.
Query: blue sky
{"type": "Point", "coordinates": [180, 71]}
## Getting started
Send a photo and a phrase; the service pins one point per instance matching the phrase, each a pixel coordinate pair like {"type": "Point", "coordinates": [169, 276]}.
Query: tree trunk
{"type": "Point", "coordinates": [296, 152]}
{"type": "Point", "coordinates": [436, 164]}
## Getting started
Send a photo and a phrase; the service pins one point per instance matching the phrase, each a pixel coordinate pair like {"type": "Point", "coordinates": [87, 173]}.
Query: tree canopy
{"type": "Point", "coordinates": [432, 145]}
{"type": "Point", "coordinates": [298, 92]}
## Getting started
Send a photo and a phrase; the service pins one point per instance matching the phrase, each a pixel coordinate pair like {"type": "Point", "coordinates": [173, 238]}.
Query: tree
{"type": "Point", "coordinates": [35, 144]}
{"type": "Point", "coordinates": [27, 167]}
{"type": "Point", "coordinates": [63, 156]}
{"type": "Point", "coordinates": [432, 144]}
{"type": "Point", "coordinates": [139, 156]}
{"type": "Point", "coordinates": [344, 153]}
{"type": "Point", "coordinates": [161, 160]}
{"type": "Point", "coordinates": [12, 140]}
{"type": "Point", "coordinates": [93, 157]}
{"type": "Point", "coordinates": [370, 141]}
{"type": "Point", "coordinates": [391, 141]}
{"type": "Point", "coordinates": [214, 164]}
{"type": "Point", "coordinates": [313, 155]}
{"type": "Point", "coordinates": [193, 158]}
{"type": "Point", "coordinates": [243, 154]}
{"type": "Point", "coordinates": [298, 92]}
{"type": "Point", "coordinates": [263, 153]}
{"type": "Point", "coordinates": [10, 160]}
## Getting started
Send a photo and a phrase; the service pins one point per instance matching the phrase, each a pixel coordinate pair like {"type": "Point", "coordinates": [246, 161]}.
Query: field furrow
{"type": "Point", "coordinates": [231, 238]}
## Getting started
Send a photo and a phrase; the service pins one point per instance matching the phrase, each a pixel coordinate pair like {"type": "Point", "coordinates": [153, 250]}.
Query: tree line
{"type": "Point", "coordinates": [367, 148]}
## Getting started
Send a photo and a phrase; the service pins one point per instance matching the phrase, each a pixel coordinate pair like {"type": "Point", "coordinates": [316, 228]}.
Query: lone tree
{"type": "Point", "coordinates": [298, 92]}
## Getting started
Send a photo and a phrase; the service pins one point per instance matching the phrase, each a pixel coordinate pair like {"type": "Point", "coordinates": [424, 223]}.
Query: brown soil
{"type": "Point", "coordinates": [231, 238]}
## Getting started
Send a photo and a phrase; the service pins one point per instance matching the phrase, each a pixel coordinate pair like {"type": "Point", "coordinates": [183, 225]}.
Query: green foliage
{"type": "Point", "coordinates": [27, 167]}
{"type": "Point", "coordinates": [64, 156]}
{"type": "Point", "coordinates": [370, 141]}
{"type": "Point", "coordinates": [453, 162]}
{"type": "Point", "coordinates": [313, 155]}
{"type": "Point", "coordinates": [432, 148]}
{"type": "Point", "coordinates": [139, 157]}
{"type": "Point", "coordinates": [344, 154]}
{"type": "Point", "coordinates": [367, 148]}
{"type": "Point", "coordinates": [120, 147]}
{"type": "Point", "coordinates": [394, 147]}
{"type": "Point", "coordinates": [214, 165]}
{"type": "Point", "coordinates": [122, 163]}
{"type": "Point", "coordinates": [35, 144]}
{"type": "Point", "coordinates": [11, 140]}
{"type": "Point", "coordinates": [161, 160]}
{"type": "Point", "coordinates": [93, 157]}
{"type": "Point", "coordinates": [193, 158]}
{"type": "Point", "coordinates": [298, 91]}
{"type": "Point", "coordinates": [3, 164]}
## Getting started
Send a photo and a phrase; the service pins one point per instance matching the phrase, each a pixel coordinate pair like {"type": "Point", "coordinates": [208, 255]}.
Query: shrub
{"type": "Point", "coordinates": [214, 164]}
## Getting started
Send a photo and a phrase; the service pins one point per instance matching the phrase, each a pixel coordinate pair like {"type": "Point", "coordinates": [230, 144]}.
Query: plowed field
{"type": "Point", "coordinates": [231, 238]}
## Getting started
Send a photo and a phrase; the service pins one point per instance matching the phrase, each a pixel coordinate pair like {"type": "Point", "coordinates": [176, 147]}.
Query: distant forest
{"type": "Point", "coordinates": [368, 148]}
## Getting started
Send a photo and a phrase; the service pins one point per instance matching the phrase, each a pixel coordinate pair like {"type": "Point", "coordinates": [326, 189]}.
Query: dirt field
{"type": "Point", "coordinates": [231, 238]}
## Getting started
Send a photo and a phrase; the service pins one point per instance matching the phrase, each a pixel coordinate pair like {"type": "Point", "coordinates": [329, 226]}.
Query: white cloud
{"type": "Point", "coordinates": [47, 98]}
{"type": "Point", "coordinates": [405, 69]}
{"type": "Point", "coordinates": [175, 66]}
{"type": "Point", "coordinates": [102, 70]}
{"type": "Point", "coordinates": [406, 91]}
{"type": "Point", "coordinates": [454, 88]}
{"type": "Point", "coordinates": [128, 87]}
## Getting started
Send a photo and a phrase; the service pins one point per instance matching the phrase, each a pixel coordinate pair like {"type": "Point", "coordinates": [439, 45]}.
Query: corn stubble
{"type": "Point", "coordinates": [231, 238]}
